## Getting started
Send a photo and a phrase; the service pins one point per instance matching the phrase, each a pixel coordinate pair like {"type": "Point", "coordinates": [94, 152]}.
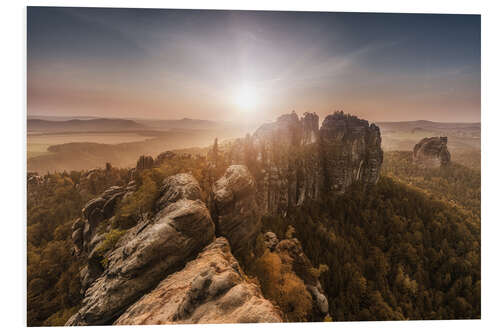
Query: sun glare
{"type": "Point", "coordinates": [246, 99]}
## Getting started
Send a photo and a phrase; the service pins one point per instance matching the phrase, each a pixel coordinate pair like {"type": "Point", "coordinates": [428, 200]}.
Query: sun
{"type": "Point", "coordinates": [246, 99]}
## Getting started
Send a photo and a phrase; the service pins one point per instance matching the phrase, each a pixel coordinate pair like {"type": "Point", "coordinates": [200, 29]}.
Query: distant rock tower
{"type": "Point", "coordinates": [432, 152]}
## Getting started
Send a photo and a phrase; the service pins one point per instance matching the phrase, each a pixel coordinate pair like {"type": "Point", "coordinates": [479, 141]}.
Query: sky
{"type": "Point", "coordinates": [252, 65]}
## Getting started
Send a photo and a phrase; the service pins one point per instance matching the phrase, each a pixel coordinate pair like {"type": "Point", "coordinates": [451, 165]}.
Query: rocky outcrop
{"type": "Point", "coordinates": [146, 253]}
{"type": "Point", "coordinates": [432, 152]}
{"type": "Point", "coordinates": [235, 211]}
{"type": "Point", "coordinates": [180, 186]}
{"type": "Point", "coordinates": [144, 162]}
{"type": "Point", "coordinates": [210, 289]}
{"type": "Point", "coordinates": [351, 152]}
{"type": "Point", "coordinates": [270, 240]}
{"type": "Point", "coordinates": [294, 160]}
{"type": "Point", "coordinates": [93, 213]}
{"type": "Point", "coordinates": [291, 253]}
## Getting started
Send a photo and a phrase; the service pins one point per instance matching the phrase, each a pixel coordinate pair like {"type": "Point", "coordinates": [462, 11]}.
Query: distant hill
{"type": "Point", "coordinates": [427, 125]}
{"type": "Point", "coordinates": [184, 123]}
{"type": "Point", "coordinates": [87, 125]}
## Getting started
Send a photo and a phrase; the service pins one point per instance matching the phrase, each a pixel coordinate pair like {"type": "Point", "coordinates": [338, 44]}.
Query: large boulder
{"type": "Point", "coordinates": [210, 289]}
{"type": "Point", "coordinates": [432, 152]}
{"type": "Point", "coordinates": [235, 209]}
{"type": "Point", "coordinates": [146, 254]}
{"type": "Point", "coordinates": [182, 185]}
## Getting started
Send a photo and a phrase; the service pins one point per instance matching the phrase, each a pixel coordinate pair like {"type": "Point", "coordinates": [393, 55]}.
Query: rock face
{"type": "Point", "coordinates": [432, 152]}
{"type": "Point", "coordinates": [94, 212]}
{"type": "Point", "coordinates": [210, 289]}
{"type": "Point", "coordinates": [235, 211]}
{"type": "Point", "coordinates": [294, 160]}
{"type": "Point", "coordinates": [290, 252]}
{"type": "Point", "coordinates": [148, 252]}
{"type": "Point", "coordinates": [351, 152]}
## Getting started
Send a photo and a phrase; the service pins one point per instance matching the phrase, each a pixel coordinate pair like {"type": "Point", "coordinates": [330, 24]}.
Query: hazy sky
{"type": "Point", "coordinates": [236, 65]}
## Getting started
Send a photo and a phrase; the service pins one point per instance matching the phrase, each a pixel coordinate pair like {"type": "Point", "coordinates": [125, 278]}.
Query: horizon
{"type": "Point", "coordinates": [249, 66]}
{"type": "Point", "coordinates": [79, 117]}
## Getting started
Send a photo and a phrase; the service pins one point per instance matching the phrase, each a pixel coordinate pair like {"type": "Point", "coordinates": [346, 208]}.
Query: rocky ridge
{"type": "Point", "coordinates": [211, 289]}
{"type": "Point", "coordinates": [146, 253]}
{"type": "Point", "coordinates": [123, 284]}
{"type": "Point", "coordinates": [295, 160]}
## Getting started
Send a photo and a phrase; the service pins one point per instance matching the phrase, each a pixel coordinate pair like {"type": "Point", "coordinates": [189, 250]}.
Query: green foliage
{"type": "Point", "coordinates": [109, 242]}
{"type": "Point", "coordinates": [393, 253]}
{"type": "Point", "coordinates": [53, 282]}
{"type": "Point", "coordinates": [455, 183]}
{"type": "Point", "coordinates": [139, 204]}
{"type": "Point", "coordinates": [316, 272]}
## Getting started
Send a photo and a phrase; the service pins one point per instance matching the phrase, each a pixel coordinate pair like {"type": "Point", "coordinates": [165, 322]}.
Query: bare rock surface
{"type": "Point", "coordinates": [351, 152]}
{"type": "Point", "coordinates": [179, 186]}
{"type": "Point", "coordinates": [210, 289]}
{"type": "Point", "coordinates": [432, 152]}
{"type": "Point", "coordinates": [148, 253]}
{"type": "Point", "coordinates": [235, 209]}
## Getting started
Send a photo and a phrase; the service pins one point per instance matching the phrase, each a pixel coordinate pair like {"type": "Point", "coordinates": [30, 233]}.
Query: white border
{"type": "Point", "coordinates": [13, 202]}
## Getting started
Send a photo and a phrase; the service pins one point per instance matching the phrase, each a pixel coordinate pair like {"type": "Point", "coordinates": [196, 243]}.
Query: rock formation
{"type": "Point", "coordinates": [147, 253]}
{"type": "Point", "coordinates": [293, 160]}
{"type": "Point", "coordinates": [94, 212]}
{"type": "Point", "coordinates": [210, 289]}
{"type": "Point", "coordinates": [144, 162]}
{"type": "Point", "coordinates": [235, 211]}
{"type": "Point", "coordinates": [351, 152]}
{"type": "Point", "coordinates": [432, 152]}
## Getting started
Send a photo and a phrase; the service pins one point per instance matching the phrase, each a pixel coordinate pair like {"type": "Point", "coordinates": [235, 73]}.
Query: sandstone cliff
{"type": "Point", "coordinates": [235, 211]}
{"type": "Point", "coordinates": [432, 152]}
{"type": "Point", "coordinates": [210, 289]}
{"type": "Point", "coordinates": [294, 160]}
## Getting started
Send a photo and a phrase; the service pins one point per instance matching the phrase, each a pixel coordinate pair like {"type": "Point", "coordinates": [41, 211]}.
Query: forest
{"type": "Point", "coordinates": [456, 184]}
{"type": "Point", "coordinates": [392, 254]}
